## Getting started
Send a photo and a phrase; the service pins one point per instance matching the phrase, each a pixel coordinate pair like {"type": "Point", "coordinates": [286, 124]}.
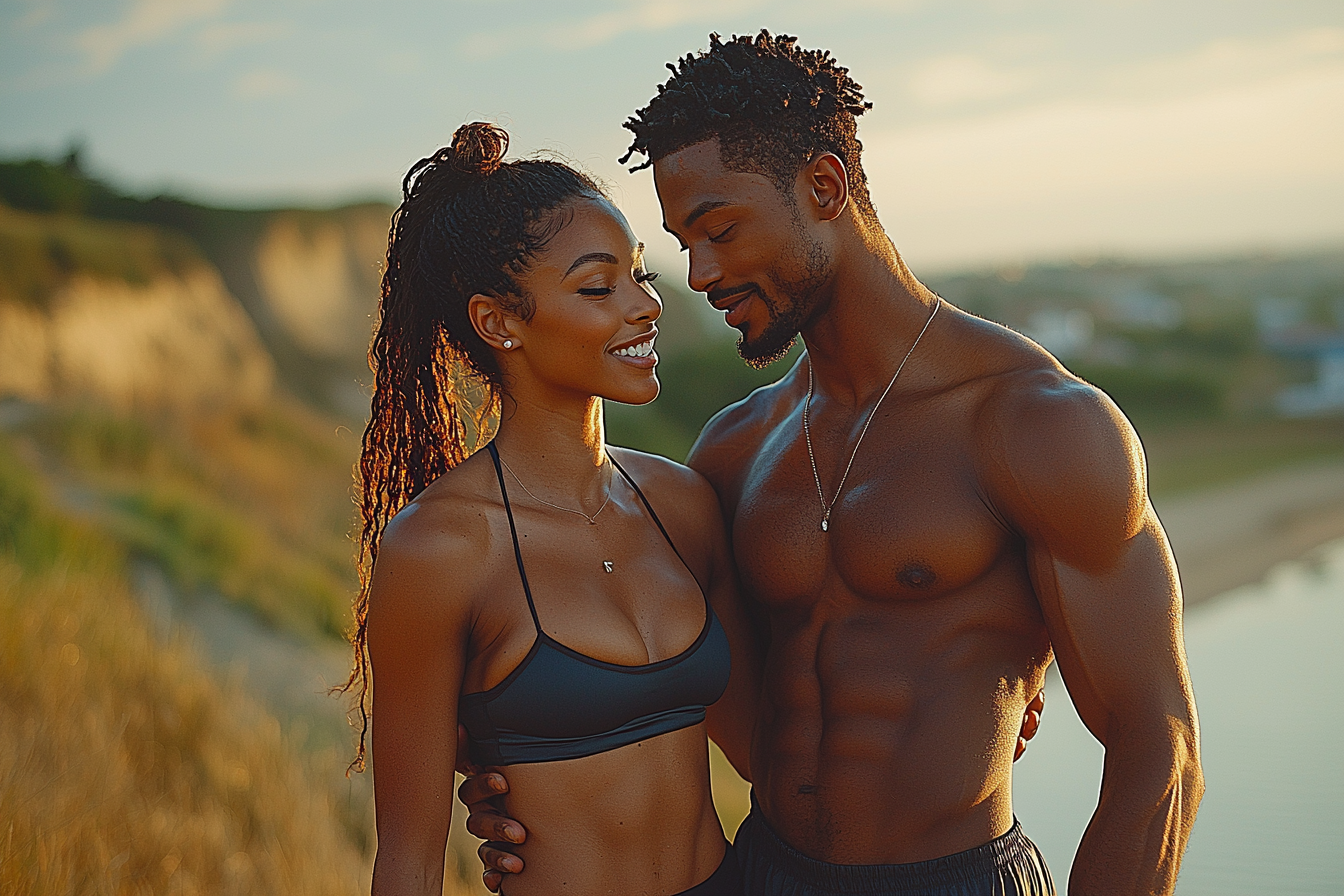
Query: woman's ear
{"type": "Point", "coordinates": [493, 324]}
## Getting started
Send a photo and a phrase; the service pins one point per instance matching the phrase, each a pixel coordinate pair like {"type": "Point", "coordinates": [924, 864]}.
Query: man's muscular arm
{"type": "Point", "coordinates": [1068, 472]}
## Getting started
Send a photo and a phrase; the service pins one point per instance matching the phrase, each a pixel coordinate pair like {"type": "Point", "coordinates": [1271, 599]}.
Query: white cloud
{"type": "Point", "coordinates": [220, 38]}
{"type": "Point", "coordinates": [1234, 144]}
{"type": "Point", "coordinates": [265, 83]}
{"type": "Point", "coordinates": [1224, 63]}
{"type": "Point", "coordinates": [145, 22]}
{"type": "Point", "coordinates": [963, 78]}
{"type": "Point", "coordinates": [39, 13]}
{"type": "Point", "coordinates": [602, 28]}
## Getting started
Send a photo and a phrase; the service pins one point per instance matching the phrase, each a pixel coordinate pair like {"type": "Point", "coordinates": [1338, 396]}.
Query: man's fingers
{"type": "Point", "coordinates": [1031, 717]}
{"type": "Point", "coordinates": [493, 826]}
{"type": "Point", "coordinates": [479, 788]}
{"type": "Point", "coordinates": [1030, 725]}
{"type": "Point", "coordinates": [492, 880]}
{"type": "Point", "coordinates": [496, 859]}
{"type": "Point", "coordinates": [464, 763]}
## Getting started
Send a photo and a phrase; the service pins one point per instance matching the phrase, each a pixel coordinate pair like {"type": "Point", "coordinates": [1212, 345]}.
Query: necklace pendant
{"type": "Point", "coordinates": [825, 525]}
{"type": "Point", "coordinates": [606, 566]}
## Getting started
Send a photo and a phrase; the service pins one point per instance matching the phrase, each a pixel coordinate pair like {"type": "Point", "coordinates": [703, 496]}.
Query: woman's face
{"type": "Point", "coordinates": [593, 329]}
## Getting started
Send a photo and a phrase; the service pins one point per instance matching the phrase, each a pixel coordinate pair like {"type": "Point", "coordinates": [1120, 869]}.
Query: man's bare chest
{"type": "Point", "coordinates": [911, 522]}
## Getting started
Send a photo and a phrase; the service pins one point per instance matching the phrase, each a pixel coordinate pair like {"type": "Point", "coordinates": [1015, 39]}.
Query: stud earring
{"type": "Point", "coordinates": [508, 343]}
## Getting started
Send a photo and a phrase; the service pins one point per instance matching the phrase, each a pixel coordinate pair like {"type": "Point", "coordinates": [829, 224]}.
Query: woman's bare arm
{"type": "Point", "coordinates": [418, 628]}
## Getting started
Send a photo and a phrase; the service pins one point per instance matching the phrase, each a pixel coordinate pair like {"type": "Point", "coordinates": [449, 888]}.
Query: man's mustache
{"type": "Point", "coordinates": [719, 294]}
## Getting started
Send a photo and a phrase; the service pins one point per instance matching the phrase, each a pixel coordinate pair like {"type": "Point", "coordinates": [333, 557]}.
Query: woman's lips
{"type": "Point", "coordinates": [640, 354]}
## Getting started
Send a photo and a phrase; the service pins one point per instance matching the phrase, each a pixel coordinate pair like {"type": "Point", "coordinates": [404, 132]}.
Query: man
{"type": "Point", "coordinates": [925, 511]}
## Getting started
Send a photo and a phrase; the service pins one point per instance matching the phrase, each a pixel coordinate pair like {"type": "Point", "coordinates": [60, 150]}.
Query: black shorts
{"type": "Point", "coordinates": [1010, 865]}
{"type": "Point", "coordinates": [725, 881]}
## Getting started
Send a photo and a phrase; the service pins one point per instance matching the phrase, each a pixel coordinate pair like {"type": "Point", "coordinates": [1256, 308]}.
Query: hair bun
{"type": "Point", "coordinates": [479, 147]}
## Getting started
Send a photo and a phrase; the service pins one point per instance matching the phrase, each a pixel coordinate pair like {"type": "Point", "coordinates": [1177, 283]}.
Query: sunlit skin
{"type": "Point", "coordinates": [447, 614]}
{"type": "Point", "coordinates": [996, 518]}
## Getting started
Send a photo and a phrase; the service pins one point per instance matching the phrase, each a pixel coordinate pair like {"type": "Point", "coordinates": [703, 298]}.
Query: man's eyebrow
{"type": "Point", "coordinates": [603, 257]}
{"type": "Point", "coordinates": [703, 208]}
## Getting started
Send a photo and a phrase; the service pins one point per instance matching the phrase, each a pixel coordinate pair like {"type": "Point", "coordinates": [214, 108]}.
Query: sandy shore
{"type": "Point", "coordinates": [1233, 535]}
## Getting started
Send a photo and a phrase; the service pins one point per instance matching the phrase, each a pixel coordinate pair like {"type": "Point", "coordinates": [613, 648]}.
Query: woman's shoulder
{"type": "Point", "coordinates": [683, 499]}
{"type": "Point", "coordinates": [655, 472]}
{"type": "Point", "coordinates": [443, 533]}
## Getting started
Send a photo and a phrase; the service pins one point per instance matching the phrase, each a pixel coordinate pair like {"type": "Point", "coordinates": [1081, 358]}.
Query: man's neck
{"type": "Point", "coordinates": [875, 312]}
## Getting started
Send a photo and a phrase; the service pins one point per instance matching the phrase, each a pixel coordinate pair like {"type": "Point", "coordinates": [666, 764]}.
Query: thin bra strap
{"type": "Point", "coordinates": [649, 507]}
{"type": "Point", "coordinates": [513, 530]}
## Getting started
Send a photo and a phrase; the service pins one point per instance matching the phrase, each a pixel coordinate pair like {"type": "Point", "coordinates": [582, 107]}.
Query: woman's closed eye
{"type": "Point", "coordinates": [603, 291]}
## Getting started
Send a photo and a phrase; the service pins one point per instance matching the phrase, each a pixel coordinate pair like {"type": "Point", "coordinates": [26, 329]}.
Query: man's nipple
{"type": "Point", "coordinates": [917, 575]}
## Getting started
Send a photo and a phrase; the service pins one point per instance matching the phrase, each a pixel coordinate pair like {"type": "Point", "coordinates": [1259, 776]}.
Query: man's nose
{"type": "Point", "coordinates": [705, 271]}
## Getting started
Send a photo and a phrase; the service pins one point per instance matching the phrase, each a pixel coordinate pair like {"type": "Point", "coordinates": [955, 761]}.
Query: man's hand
{"type": "Point", "coordinates": [1031, 723]}
{"type": "Point", "coordinates": [481, 793]}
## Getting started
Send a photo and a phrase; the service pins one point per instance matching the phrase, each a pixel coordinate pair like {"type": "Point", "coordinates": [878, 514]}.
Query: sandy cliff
{"type": "Point", "coordinates": [125, 312]}
{"type": "Point", "coordinates": [175, 340]}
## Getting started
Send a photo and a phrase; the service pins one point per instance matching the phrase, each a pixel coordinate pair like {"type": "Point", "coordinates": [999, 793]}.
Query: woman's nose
{"type": "Point", "coordinates": [644, 304]}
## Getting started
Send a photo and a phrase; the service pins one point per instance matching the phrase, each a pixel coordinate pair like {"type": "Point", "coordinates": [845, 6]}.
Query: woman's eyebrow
{"type": "Point", "coordinates": [602, 257]}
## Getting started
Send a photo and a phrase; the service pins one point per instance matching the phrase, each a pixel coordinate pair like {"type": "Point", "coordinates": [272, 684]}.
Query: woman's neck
{"type": "Point", "coordinates": [558, 450]}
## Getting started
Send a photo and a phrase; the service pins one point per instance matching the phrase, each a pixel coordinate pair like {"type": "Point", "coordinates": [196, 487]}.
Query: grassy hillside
{"type": "Point", "coordinates": [127, 770]}
{"type": "Point", "coordinates": [253, 506]}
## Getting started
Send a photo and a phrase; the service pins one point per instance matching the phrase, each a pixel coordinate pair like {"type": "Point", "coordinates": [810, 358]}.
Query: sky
{"type": "Point", "coordinates": [1002, 132]}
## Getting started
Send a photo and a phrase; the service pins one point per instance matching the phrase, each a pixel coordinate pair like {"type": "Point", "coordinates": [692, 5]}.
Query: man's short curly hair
{"type": "Point", "coordinates": [771, 105]}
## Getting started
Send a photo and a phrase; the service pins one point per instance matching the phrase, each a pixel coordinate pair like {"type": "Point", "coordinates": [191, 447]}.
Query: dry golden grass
{"type": "Point", "coordinates": [125, 770]}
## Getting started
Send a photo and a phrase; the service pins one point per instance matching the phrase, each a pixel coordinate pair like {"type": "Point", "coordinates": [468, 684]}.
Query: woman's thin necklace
{"type": "Point", "coordinates": [826, 508]}
{"type": "Point", "coordinates": [592, 520]}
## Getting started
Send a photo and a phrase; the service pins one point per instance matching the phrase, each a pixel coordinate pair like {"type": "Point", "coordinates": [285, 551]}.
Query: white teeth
{"type": "Point", "coordinates": [643, 350]}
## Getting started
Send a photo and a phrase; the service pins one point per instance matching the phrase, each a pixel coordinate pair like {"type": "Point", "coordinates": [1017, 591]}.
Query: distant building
{"type": "Point", "coordinates": [1139, 307]}
{"type": "Point", "coordinates": [1062, 333]}
{"type": "Point", "coordinates": [1325, 394]}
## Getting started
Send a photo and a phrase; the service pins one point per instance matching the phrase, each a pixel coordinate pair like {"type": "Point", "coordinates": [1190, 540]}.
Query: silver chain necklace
{"type": "Point", "coordinates": [826, 508]}
{"type": "Point", "coordinates": [592, 520]}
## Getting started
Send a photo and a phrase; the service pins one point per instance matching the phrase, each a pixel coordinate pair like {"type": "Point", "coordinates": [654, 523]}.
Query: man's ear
{"type": "Point", "coordinates": [492, 323]}
{"type": "Point", "coordinates": [826, 185]}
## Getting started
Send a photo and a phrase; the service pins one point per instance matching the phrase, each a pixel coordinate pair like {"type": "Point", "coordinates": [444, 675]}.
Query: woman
{"type": "Point", "coordinates": [531, 590]}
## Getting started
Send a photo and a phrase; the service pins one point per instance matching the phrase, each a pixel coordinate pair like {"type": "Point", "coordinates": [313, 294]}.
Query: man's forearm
{"type": "Point", "coordinates": [1150, 792]}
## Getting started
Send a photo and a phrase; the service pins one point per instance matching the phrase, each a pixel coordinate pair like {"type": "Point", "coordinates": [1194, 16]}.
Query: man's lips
{"type": "Point", "coordinates": [736, 306]}
{"type": "Point", "coordinates": [726, 302]}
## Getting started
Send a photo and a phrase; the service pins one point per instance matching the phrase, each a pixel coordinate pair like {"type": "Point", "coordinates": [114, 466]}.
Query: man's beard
{"type": "Point", "coordinates": [799, 287]}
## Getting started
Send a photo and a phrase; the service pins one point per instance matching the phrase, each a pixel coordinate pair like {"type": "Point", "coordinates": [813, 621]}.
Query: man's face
{"type": "Point", "coordinates": [751, 250]}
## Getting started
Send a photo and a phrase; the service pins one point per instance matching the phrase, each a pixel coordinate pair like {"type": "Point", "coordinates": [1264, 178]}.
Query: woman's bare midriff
{"type": "Point", "coordinates": [637, 820]}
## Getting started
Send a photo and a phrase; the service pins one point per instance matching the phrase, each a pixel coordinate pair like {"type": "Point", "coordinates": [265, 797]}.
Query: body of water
{"type": "Point", "coordinates": [1267, 663]}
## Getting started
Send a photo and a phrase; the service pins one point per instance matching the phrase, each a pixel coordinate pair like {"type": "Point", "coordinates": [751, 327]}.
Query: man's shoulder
{"type": "Point", "coordinates": [1051, 443]}
{"type": "Point", "coordinates": [1021, 384]}
{"type": "Point", "coordinates": [733, 435]}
